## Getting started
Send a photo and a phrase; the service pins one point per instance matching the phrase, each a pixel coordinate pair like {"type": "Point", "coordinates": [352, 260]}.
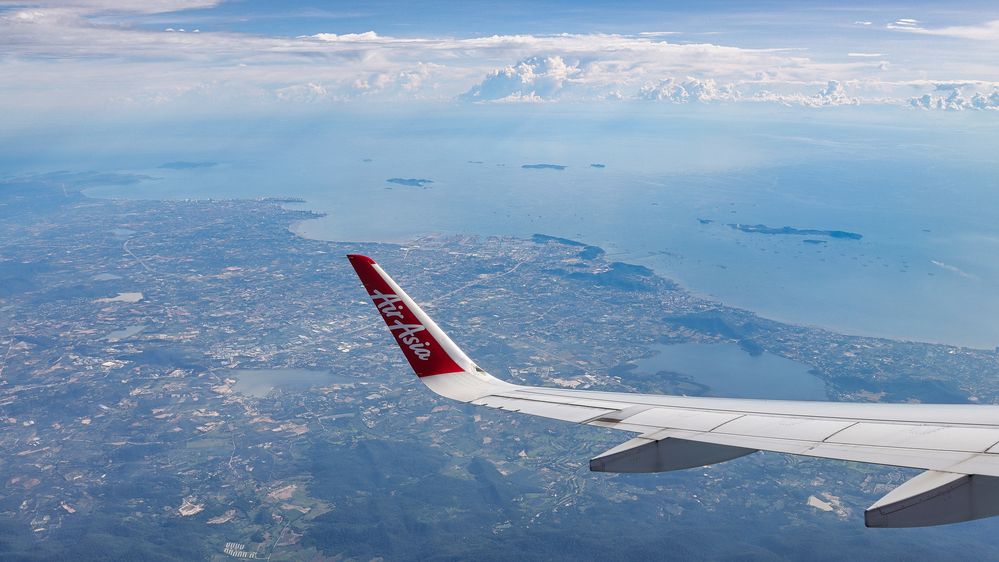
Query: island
{"type": "Point", "coordinates": [789, 230]}
{"type": "Point", "coordinates": [411, 182]}
{"type": "Point", "coordinates": [185, 165]}
{"type": "Point", "coordinates": [543, 167]}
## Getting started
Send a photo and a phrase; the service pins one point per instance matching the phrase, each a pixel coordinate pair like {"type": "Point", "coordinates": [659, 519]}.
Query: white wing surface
{"type": "Point", "coordinates": [957, 445]}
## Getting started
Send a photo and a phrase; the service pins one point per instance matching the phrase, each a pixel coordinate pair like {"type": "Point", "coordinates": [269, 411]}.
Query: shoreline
{"type": "Point", "coordinates": [295, 227]}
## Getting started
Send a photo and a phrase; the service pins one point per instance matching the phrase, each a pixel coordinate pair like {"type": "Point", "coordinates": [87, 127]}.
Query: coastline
{"type": "Point", "coordinates": [297, 227]}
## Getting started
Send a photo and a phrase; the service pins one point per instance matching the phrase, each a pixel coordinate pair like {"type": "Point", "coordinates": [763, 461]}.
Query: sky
{"type": "Point", "coordinates": [96, 57]}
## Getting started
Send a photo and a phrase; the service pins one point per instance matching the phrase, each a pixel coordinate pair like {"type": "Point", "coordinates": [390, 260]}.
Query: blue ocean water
{"type": "Point", "coordinates": [920, 188]}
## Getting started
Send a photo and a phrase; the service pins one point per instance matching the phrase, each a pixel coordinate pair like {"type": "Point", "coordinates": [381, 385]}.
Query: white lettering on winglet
{"type": "Point", "coordinates": [405, 333]}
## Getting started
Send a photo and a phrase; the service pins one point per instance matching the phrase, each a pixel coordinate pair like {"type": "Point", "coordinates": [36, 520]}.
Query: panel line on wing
{"type": "Point", "coordinates": [828, 437]}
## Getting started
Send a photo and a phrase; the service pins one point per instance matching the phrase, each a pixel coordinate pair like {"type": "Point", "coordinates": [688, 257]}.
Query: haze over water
{"type": "Point", "coordinates": [920, 191]}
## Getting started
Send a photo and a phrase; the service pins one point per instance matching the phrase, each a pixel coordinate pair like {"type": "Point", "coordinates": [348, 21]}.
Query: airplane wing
{"type": "Point", "coordinates": [957, 445]}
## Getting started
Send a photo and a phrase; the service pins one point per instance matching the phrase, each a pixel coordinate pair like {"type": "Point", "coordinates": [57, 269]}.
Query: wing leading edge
{"type": "Point", "coordinates": [957, 445]}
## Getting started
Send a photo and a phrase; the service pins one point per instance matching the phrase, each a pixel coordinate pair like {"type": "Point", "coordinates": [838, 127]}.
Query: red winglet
{"type": "Point", "coordinates": [423, 343]}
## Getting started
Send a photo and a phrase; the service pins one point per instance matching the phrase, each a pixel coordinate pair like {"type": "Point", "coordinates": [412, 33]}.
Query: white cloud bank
{"type": "Point", "coordinates": [533, 79]}
{"type": "Point", "coordinates": [956, 101]}
{"type": "Point", "coordinates": [78, 46]}
{"type": "Point", "coordinates": [689, 90]}
{"type": "Point", "coordinates": [986, 31]}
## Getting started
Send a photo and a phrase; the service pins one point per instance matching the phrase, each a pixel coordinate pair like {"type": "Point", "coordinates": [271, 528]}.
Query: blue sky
{"type": "Point", "coordinates": [86, 56]}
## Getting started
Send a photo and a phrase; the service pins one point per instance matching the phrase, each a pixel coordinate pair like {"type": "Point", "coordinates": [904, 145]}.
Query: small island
{"type": "Point", "coordinates": [788, 230]}
{"type": "Point", "coordinates": [185, 165]}
{"type": "Point", "coordinates": [543, 167]}
{"type": "Point", "coordinates": [598, 165]}
{"type": "Point", "coordinates": [411, 182]}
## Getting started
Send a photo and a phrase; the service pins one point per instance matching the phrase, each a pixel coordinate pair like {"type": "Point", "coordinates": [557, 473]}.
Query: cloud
{"type": "Point", "coordinates": [348, 37]}
{"type": "Point", "coordinates": [533, 79]}
{"type": "Point", "coordinates": [693, 90]}
{"type": "Point", "coordinates": [956, 100]}
{"type": "Point", "coordinates": [690, 90]}
{"type": "Point", "coordinates": [953, 269]}
{"type": "Point", "coordinates": [833, 94]}
{"type": "Point", "coordinates": [107, 59]}
{"type": "Point", "coordinates": [309, 92]}
{"type": "Point", "coordinates": [982, 101]}
{"type": "Point", "coordinates": [987, 31]}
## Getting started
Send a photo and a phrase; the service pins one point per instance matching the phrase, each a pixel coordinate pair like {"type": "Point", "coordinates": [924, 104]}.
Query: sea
{"type": "Point", "coordinates": [700, 194]}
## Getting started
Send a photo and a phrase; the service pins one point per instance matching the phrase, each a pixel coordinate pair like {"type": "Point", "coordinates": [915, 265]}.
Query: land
{"type": "Point", "coordinates": [138, 447]}
{"type": "Point", "coordinates": [187, 165]}
{"type": "Point", "coordinates": [410, 182]}
{"type": "Point", "coordinates": [788, 230]}
{"type": "Point", "coordinates": [543, 167]}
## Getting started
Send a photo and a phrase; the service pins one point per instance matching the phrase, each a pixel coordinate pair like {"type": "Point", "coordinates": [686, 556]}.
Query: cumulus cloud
{"type": "Point", "coordinates": [833, 94]}
{"type": "Point", "coordinates": [707, 90]}
{"type": "Point", "coordinates": [532, 79]}
{"type": "Point", "coordinates": [956, 101]}
{"type": "Point", "coordinates": [309, 92]}
{"type": "Point", "coordinates": [347, 37]}
{"type": "Point", "coordinates": [689, 90]}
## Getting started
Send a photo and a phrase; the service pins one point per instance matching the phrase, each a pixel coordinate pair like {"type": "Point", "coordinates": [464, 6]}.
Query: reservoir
{"type": "Point", "coordinates": [732, 373]}
{"type": "Point", "coordinates": [260, 382]}
{"type": "Point", "coordinates": [126, 332]}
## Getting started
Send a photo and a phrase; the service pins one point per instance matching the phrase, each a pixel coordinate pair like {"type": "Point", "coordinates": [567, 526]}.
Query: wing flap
{"type": "Point", "coordinates": [936, 498]}
{"type": "Point", "coordinates": [894, 456]}
{"type": "Point", "coordinates": [663, 454]}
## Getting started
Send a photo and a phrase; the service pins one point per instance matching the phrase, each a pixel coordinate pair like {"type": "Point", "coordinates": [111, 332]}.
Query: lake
{"type": "Point", "coordinates": [260, 382]}
{"type": "Point", "coordinates": [126, 332]}
{"type": "Point", "coordinates": [731, 372]}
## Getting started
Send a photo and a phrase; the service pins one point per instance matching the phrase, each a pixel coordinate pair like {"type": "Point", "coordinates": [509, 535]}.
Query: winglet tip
{"type": "Point", "coordinates": [360, 258]}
